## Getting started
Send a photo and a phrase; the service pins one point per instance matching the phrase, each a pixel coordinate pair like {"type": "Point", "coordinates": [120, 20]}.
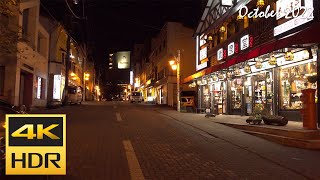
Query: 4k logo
{"type": "Point", "coordinates": [36, 144]}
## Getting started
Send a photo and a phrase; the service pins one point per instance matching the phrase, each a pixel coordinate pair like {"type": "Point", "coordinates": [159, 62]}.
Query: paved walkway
{"type": "Point", "coordinates": [297, 160]}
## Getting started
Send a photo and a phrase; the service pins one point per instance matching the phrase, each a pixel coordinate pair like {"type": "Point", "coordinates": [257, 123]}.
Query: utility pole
{"type": "Point", "coordinates": [178, 80]}
{"type": "Point", "coordinates": [67, 58]}
{"type": "Point", "coordinates": [318, 85]}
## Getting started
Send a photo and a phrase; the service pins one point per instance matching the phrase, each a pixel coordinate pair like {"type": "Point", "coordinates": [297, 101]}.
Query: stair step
{"type": "Point", "coordinates": [274, 130]}
{"type": "Point", "coordinates": [313, 144]}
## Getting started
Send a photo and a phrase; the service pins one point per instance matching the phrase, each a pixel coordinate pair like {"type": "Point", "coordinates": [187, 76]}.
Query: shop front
{"type": "Point", "coordinates": [272, 80]}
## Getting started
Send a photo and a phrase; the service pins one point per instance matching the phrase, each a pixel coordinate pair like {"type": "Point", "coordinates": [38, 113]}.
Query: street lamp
{"type": "Point", "coordinates": [175, 65]}
{"type": "Point", "coordinates": [86, 78]}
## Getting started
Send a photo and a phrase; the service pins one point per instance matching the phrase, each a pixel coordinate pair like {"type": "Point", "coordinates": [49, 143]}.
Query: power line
{"type": "Point", "coordinates": [78, 17]}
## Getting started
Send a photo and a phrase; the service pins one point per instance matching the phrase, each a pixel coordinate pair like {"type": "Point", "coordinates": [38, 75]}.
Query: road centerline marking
{"type": "Point", "coordinates": [118, 116]}
{"type": "Point", "coordinates": [133, 163]}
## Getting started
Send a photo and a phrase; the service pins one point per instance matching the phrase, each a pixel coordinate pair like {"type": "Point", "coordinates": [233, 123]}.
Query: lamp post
{"type": "Point", "coordinates": [86, 78]}
{"type": "Point", "coordinates": [175, 65]}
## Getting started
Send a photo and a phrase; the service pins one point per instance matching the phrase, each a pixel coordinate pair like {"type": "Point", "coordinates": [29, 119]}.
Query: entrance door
{"type": "Point", "coordinates": [236, 89]}
{"type": "Point", "coordinates": [263, 94]}
{"type": "Point", "coordinates": [220, 97]}
{"type": "Point", "coordinates": [25, 92]}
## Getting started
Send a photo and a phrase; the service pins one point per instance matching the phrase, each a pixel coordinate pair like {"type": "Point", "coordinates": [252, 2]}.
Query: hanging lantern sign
{"type": "Point", "coordinates": [272, 60]}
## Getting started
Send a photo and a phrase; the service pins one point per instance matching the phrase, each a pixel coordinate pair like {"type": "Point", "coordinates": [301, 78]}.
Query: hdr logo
{"type": "Point", "coordinates": [36, 144]}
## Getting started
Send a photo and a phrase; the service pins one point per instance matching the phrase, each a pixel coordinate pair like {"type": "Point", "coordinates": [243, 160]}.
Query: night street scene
{"type": "Point", "coordinates": [159, 89]}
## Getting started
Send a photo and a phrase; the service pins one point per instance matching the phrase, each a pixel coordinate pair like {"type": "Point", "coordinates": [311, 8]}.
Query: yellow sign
{"type": "Point", "coordinates": [36, 144]}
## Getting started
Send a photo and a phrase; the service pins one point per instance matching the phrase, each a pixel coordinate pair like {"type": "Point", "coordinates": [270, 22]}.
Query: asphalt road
{"type": "Point", "coordinates": [119, 140]}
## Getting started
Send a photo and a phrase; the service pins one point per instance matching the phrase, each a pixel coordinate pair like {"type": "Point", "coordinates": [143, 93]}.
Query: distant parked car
{"type": "Point", "coordinates": [136, 97]}
{"type": "Point", "coordinates": [74, 95]}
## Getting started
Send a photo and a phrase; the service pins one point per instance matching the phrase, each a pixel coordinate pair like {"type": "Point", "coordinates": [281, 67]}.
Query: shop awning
{"type": "Point", "coordinates": [306, 36]}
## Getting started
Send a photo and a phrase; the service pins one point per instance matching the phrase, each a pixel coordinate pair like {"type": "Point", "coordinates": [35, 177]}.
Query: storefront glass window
{"type": "Point", "coordinates": [293, 79]}
{"type": "Point", "coordinates": [220, 97]}
{"type": "Point", "coordinates": [236, 93]}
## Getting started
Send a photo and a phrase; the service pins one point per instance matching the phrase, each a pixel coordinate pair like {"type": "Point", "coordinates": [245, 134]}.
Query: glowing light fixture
{"type": "Point", "coordinates": [237, 71]}
{"type": "Point", "coordinates": [272, 60]}
{"type": "Point", "coordinates": [172, 62]}
{"type": "Point", "coordinates": [174, 67]}
{"type": "Point", "coordinates": [260, 3]}
{"type": "Point", "coordinates": [222, 29]}
{"type": "Point", "coordinates": [289, 56]}
{"type": "Point", "coordinates": [247, 68]}
{"type": "Point", "coordinates": [258, 64]}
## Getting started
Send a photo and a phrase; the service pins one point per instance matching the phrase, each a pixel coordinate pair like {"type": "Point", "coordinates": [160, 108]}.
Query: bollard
{"type": "Point", "coordinates": [309, 109]}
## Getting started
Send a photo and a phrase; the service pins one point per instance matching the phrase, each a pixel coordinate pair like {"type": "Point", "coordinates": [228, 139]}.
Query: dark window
{"type": "Point", "coordinates": [2, 73]}
{"type": "Point", "coordinates": [25, 23]}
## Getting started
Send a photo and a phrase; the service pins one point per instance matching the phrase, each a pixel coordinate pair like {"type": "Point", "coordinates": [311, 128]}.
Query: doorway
{"type": "Point", "coordinates": [25, 92]}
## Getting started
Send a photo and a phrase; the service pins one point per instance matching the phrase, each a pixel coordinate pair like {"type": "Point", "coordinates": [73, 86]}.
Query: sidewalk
{"type": "Point", "coordinates": [305, 162]}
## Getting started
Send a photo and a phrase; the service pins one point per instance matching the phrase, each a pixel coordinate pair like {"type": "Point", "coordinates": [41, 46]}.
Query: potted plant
{"type": "Point", "coordinates": [256, 117]}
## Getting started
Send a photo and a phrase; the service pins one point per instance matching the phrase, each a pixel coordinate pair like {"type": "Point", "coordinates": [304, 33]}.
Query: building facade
{"type": "Point", "coordinates": [158, 81]}
{"type": "Point", "coordinates": [245, 61]}
{"type": "Point", "coordinates": [24, 74]}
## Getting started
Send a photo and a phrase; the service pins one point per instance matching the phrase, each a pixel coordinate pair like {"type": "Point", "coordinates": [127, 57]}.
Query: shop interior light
{"type": "Point", "coordinates": [272, 60]}
{"type": "Point", "coordinates": [210, 38]}
{"type": "Point", "coordinates": [72, 74]}
{"type": "Point", "coordinates": [289, 56]}
{"type": "Point", "coordinates": [260, 3]}
{"type": "Point", "coordinates": [222, 29]}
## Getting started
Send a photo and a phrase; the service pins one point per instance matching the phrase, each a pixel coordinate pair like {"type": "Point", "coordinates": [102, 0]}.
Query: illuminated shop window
{"type": "Point", "coordinates": [293, 79]}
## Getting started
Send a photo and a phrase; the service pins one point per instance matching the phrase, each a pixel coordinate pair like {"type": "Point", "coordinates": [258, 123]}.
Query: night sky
{"type": "Point", "coordinates": [118, 24]}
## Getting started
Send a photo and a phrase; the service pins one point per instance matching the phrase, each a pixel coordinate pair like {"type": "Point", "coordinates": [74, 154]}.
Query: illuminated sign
{"type": "Point", "coordinates": [123, 60]}
{"type": "Point", "coordinates": [39, 88]}
{"type": "Point", "coordinates": [231, 49]}
{"type": "Point", "coordinates": [203, 53]}
{"type": "Point", "coordinates": [285, 6]}
{"type": "Point", "coordinates": [297, 56]}
{"type": "Point", "coordinates": [199, 65]}
{"type": "Point", "coordinates": [131, 77]}
{"type": "Point", "coordinates": [36, 144]}
{"type": "Point", "coordinates": [220, 54]}
{"type": "Point", "coordinates": [57, 87]}
{"type": "Point", "coordinates": [297, 14]}
{"type": "Point", "coordinates": [244, 42]}
{"type": "Point", "coordinates": [227, 2]}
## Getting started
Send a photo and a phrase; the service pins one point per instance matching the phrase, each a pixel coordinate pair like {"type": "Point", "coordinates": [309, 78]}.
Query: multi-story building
{"type": "Point", "coordinates": [161, 81]}
{"type": "Point", "coordinates": [119, 66]}
{"type": "Point", "coordinates": [246, 61]}
{"type": "Point", "coordinates": [77, 75]}
{"type": "Point", "coordinates": [24, 74]}
{"type": "Point", "coordinates": [140, 69]}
